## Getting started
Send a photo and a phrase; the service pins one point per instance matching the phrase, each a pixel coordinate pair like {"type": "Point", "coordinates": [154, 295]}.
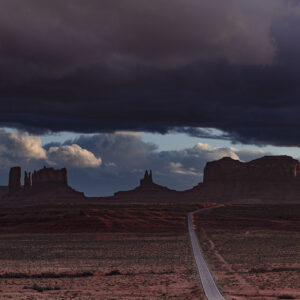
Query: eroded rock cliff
{"type": "Point", "coordinates": [14, 182]}
{"type": "Point", "coordinates": [49, 177]}
{"type": "Point", "coordinates": [267, 179]}
{"type": "Point", "coordinates": [45, 185]}
{"type": "Point", "coordinates": [268, 169]}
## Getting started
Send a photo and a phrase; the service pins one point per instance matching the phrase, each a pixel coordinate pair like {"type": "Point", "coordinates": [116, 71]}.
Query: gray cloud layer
{"type": "Point", "coordinates": [100, 66]}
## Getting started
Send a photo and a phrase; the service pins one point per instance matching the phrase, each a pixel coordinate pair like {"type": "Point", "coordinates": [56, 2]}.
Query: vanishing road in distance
{"type": "Point", "coordinates": [209, 286]}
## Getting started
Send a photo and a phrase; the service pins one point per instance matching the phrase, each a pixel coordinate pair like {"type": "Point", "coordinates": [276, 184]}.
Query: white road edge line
{"type": "Point", "coordinates": [209, 285]}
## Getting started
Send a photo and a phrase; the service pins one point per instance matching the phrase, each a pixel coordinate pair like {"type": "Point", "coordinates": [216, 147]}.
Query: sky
{"type": "Point", "coordinates": [110, 88]}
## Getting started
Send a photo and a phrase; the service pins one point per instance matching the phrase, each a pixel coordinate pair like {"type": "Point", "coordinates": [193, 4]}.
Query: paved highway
{"type": "Point", "coordinates": [209, 286]}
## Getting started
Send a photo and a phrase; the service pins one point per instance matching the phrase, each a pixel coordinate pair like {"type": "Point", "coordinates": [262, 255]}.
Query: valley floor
{"type": "Point", "coordinates": [131, 252]}
{"type": "Point", "coordinates": [253, 250]}
{"type": "Point", "coordinates": [89, 251]}
{"type": "Point", "coordinates": [97, 266]}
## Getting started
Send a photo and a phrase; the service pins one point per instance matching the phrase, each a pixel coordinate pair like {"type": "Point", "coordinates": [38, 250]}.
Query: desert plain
{"type": "Point", "coordinates": [143, 251]}
{"type": "Point", "coordinates": [253, 250]}
{"type": "Point", "coordinates": [97, 252]}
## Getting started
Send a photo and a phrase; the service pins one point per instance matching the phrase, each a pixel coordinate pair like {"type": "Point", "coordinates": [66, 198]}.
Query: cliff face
{"type": "Point", "coordinates": [268, 179]}
{"type": "Point", "coordinates": [45, 185]}
{"type": "Point", "coordinates": [269, 169]}
{"type": "Point", "coordinates": [14, 182]}
{"type": "Point", "coordinates": [147, 180]}
{"type": "Point", "coordinates": [48, 177]}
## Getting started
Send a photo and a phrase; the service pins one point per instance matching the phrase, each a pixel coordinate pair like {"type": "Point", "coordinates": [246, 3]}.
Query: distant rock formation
{"type": "Point", "coordinates": [45, 185]}
{"type": "Point", "coordinates": [270, 179]}
{"type": "Point", "coordinates": [147, 191]}
{"type": "Point", "coordinates": [49, 177]}
{"type": "Point", "coordinates": [147, 180]}
{"type": "Point", "coordinates": [267, 179]}
{"type": "Point", "coordinates": [27, 181]}
{"type": "Point", "coordinates": [14, 183]}
{"type": "Point", "coordinates": [268, 169]}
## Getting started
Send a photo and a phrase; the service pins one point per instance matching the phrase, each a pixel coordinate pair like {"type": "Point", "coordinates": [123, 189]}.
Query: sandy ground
{"type": "Point", "coordinates": [150, 259]}
{"type": "Point", "coordinates": [86, 251]}
{"type": "Point", "coordinates": [254, 251]}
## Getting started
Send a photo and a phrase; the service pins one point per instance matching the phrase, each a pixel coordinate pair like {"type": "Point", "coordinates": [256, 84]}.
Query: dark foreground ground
{"type": "Point", "coordinates": [97, 252]}
{"type": "Point", "coordinates": [102, 251]}
{"type": "Point", "coordinates": [253, 250]}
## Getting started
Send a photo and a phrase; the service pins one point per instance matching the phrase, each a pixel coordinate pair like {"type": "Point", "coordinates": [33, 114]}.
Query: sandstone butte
{"type": "Point", "coordinates": [270, 179]}
{"type": "Point", "coordinates": [147, 191]}
{"type": "Point", "coordinates": [44, 185]}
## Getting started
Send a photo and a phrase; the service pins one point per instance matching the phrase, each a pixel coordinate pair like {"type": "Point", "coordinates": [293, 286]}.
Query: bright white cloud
{"type": "Point", "coordinates": [24, 149]}
{"type": "Point", "coordinates": [73, 155]}
{"type": "Point", "coordinates": [21, 146]}
{"type": "Point", "coordinates": [203, 147]}
{"type": "Point", "coordinates": [191, 161]}
{"type": "Point", "coordinates": [178, 168]}
{"type": "Point", "coordinates": [214, 153]}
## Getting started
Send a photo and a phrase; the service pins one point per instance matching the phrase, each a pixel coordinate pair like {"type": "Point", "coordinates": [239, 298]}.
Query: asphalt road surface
{"type": "Point", "coordinates": [209, 285]}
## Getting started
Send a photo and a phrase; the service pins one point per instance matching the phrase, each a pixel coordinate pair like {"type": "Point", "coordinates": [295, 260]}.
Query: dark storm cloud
{"type": "Point", "coordinates": [100, 66]}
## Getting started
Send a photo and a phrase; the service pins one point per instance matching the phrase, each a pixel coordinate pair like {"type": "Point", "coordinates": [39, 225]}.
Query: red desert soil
{"type": "Point", "coordinates": [253, 250]}
{"type": "Point", "coordinates": [87, 251]}
{"type": "Point", "coordinates": [96, 218]}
